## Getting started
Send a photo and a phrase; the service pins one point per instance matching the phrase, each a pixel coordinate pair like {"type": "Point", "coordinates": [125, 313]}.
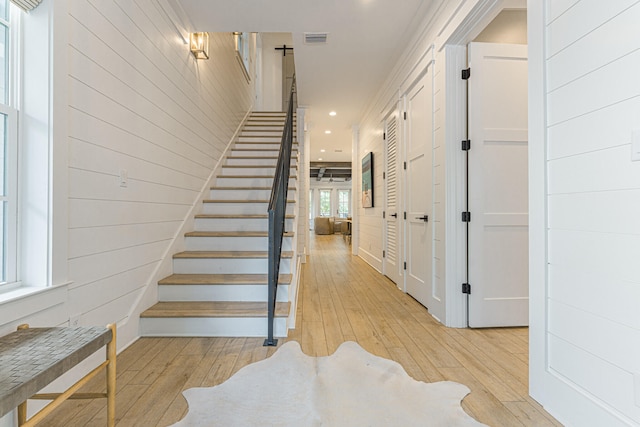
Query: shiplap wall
{"type": "Point", "coordinates": [139, 104]}
{"type": "Point", "coordinates": [593, 195]}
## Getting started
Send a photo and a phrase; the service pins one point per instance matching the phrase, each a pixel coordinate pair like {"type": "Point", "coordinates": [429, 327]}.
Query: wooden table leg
{"type": "Point", "coordinates": [111, 377]}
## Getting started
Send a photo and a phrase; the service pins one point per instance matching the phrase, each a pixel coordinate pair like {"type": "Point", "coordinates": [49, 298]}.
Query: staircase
{"type": "Point", "coordinates": [219, 285]}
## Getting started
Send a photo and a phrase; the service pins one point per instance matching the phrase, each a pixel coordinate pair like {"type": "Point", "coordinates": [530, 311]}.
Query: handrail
{"type": "Point", "coordinates": [277, 214]}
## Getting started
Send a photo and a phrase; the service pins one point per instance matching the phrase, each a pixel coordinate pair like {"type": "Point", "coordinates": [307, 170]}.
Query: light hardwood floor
{"type": "Point", "coordinates": [341, 298]}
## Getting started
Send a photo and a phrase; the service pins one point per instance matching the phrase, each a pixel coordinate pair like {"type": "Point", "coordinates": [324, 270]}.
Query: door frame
{"type": "Point", "coordinates": [452, 44]}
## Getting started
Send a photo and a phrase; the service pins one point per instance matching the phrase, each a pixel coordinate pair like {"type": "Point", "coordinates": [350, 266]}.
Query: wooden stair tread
{"type": "Point", "coordinates": [252, 176]}
{"type": "Point", "coordinates": [256, 166]}
{"type": "Point", "coordinates": [240, 216]}
{"type": "Point", "coordinates": [245, 188]}
{"type": "Point", "coordinates": [233, 234]}
{"type": "Point", "coordinates": [228, 254]}
{"type": "Point", "coordinates": [214, 309]}
{"type": "Point", "coordinates": [258, 149]}
{"type": "Point", "coordinates": [239, 201]}
{"type": "Point", "coordinates": [222, 279]}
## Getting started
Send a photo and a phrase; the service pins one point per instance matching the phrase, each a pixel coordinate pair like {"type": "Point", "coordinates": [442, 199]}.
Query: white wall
{"type": "Point", "coordinates": [139, 105]}
{"type": "Point", "coordinates": [585, 280]}
{"type": "Point", "coordinates": [510, 26]}
{"type": "Point", "coordinates": [272, 69]}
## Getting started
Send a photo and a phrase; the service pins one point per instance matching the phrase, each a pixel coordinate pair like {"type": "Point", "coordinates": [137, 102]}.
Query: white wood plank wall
{"type": "Point", "coordinates": [593, 104]}
{"type": "Point", "coordinates": [438, 216]}
{"type": "Point", "coordinates": [140, 103]}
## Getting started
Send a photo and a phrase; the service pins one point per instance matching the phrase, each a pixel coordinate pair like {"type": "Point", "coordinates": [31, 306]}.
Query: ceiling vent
{"type": "Point", "coordinates": [315, 38]}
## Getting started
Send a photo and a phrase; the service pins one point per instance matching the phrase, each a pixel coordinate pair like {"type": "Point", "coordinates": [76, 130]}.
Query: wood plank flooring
{"type": "Point", "coordinates": [341, 298]}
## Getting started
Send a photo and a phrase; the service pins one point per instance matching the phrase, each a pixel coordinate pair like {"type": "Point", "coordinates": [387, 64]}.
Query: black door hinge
{"type": "Point", "coordinates": [466, 216]}
{"type": "Point", "coordinates": [384, 254]}
{"type": "Point", "coordinates": [384, 136]}
{"type": "Point", "coordinates": [405, 265]}
{"type": "Point", "coordinates": [466, 145]}
{"type": "Point", "coordinates": [405, 115]}
{"type": "Point", "coordinates": [466, 74]}
{"type": "Point", "coordinates": [405, 165]}
{"type": "Point", "coordinates": [384, 214]}
{"type": "Point", "coordinates": [466, 288]}
{"type": "Point", "coordinates": [384, 175]}
{"type": "Point", "coordinates": [405, 215]}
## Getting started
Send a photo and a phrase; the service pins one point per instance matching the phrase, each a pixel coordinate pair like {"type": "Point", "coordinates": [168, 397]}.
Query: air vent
{"type": "Point", "coordinates": [315, 38]}
{"type": "Point", "coordinates": [338, 151]}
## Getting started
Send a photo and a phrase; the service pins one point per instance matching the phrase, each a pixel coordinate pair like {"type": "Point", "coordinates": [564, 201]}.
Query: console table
{"type": "Point", "coordinates": [31, 358]}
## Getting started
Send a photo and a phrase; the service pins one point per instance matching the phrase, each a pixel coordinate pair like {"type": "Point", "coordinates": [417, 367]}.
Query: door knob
{"type": "Point", "coordinates": [395, 215]}
{"type": "Point", "coordinates": [424, 218]}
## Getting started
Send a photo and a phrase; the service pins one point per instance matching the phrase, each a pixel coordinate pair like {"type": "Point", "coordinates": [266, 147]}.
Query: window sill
{"type": "Point", "coordinates": [24, 301]}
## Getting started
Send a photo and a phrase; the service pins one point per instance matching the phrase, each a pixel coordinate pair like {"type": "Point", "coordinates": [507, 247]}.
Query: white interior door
{"type": "Point", "coordinates": [392, 265]}
{"type": "Point", "coordinates": [498, 186]}
{"type": "Point", "coordinates": [419, 200]}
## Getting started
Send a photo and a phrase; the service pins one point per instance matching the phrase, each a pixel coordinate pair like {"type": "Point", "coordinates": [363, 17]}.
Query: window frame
{"type": "Point", "coordinates": [348, 202]}
{"type": "Point", "coordinates": [328, 191]}
{"type": "Point", "coordinates": [241, 40]}
{"type": "Point", "coordinates": [9, 277]}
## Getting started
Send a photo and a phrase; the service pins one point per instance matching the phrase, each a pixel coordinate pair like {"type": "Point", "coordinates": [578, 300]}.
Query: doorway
{"type": "Point", "coordinates": [497, 181]}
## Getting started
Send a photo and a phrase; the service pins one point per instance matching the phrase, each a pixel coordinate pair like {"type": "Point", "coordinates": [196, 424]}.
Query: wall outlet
{"type": "Point", "coordinates": [124, 178]}
{"type": "Point", "coordinates": [75, 320]}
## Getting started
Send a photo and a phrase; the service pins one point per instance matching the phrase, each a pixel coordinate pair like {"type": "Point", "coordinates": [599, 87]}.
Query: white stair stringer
{"type": "Point", "coordinates": [219, 285]}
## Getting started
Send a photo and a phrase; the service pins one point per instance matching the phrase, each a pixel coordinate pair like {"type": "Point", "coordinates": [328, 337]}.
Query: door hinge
{"type": "Point", "coordinates": [405, 115]}
{"type": "Point", "coordinates": [384, 254]}
{"type": "Point", "coordinates": [466, 74]}
{"type": "Point", "coordinates": [405, 215]}
{"type": "Point", "coordinates": [405, 165]}
{"type": "Point", "coordinates": [384, 136]}
{"type": "Point", "coordinates": [384, 214]}
{"type": "Point", "coordinates": [466, 288]}
{"type": "Point", "coordinates": [466, 216]}
{"type": "Point", "coordinates": [466, 145]}
{"type": "Point", "coordinates": [384, 175]}
{"type": "Point", "coordinates": [405, 265]}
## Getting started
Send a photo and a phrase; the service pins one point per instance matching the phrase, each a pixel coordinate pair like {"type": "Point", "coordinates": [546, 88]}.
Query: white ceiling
{"type": "Point", "coordinates": [365, 38]}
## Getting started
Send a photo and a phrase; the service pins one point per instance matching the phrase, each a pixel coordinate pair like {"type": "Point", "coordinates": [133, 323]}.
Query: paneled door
{"type": "Point", "coordinates": [419, 178]}
{"type": "Point", "coordinates": [392, 264]}
{"type": "Point", "coordinates": [498, 186]}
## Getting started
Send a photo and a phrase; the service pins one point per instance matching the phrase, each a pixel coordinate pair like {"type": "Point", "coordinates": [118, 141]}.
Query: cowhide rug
{"type": "Point", "coordinates": [349, 388]}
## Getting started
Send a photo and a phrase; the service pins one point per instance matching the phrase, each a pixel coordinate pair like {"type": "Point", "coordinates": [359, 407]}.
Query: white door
{"type": "Point", "coordinates": [419, 202]}
{"type": "Point", "coordinates": [498, 186]}
{"type": "Point", "coordinates": [392, 264]}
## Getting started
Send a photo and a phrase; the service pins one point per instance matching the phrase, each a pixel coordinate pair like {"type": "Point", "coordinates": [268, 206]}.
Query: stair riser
{"type": "Point", "coordinates": [254, 170]}
{"type": "Point", "coordinates": [233, 243]}
{"type": "Point", "coordinates": [211, 327]}
{"type": "Point", "coordinates": [261, 153]}
{"type": "Point", "coordinates": [266, 126]}
{"type": "Point", "coordinates": [249, 182]}
{"type": "Point", "coordinates": [271, 133]}
{"type": "Point", "coordinates": [237, 224]}
{"type": "Point", "coordinates": [252, 293]}
{"type": "Point", "coordinates": [258, 144]}
{"type": "Point", "coordinates": [241, 208]}
{"type": "Point", "coordinates": [246, 194]}
{"type": "Point", "coordinates": [226, 266]}
{"type": "Point", "coordinates": [269, 162]}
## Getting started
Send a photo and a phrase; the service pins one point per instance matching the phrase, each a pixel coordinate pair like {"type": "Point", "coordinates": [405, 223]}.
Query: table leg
{"type": "Point", "coordinates": [111, 378]}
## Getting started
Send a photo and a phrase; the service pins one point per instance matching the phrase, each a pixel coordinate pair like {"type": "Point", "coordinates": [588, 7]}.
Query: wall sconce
{"type": "Point", "coordinates": [199, 43]}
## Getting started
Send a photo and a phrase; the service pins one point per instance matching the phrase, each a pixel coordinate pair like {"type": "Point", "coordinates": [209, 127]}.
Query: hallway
{"type": "Point", "coordinates": [341, 299]}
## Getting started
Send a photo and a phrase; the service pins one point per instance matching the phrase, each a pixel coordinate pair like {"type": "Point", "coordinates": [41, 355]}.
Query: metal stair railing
{"type": "Point", "coordinates": [277, 214]}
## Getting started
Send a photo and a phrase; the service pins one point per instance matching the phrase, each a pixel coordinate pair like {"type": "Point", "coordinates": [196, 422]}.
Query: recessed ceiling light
{"type": "Point", "coordinates": [327, 132]}
{"type": "Point", "coordinates": [333, 113]}
{"type": "Point", "coordinates": [322, 150]}
{"type": "Point", "coordinates": [319, 158]}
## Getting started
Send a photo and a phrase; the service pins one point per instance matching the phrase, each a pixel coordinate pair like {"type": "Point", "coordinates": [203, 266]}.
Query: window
{"type": "Point", "coordinates": [8, 152]}
{"type": "Point", "coordinates": [325, 202]}
{"type": "Point", "coordinates": [344, 203]}
{"type": "Point", "coordinates": [242, 52]}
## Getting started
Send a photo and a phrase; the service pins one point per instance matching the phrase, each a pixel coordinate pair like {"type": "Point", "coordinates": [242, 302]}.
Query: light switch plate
{"type": "Point", "coordinates": [635, 145]}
